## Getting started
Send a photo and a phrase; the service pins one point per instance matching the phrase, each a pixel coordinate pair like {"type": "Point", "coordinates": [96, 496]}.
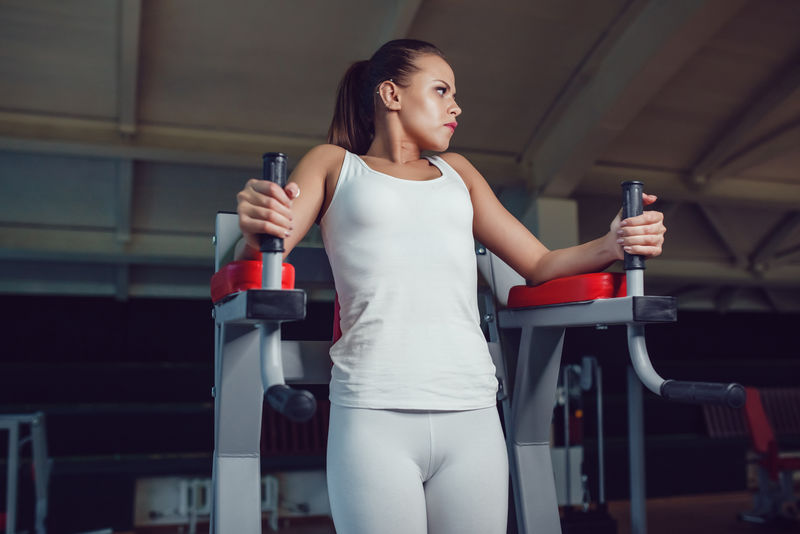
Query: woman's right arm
{"type": "Point", "coordinates": [265, 208]}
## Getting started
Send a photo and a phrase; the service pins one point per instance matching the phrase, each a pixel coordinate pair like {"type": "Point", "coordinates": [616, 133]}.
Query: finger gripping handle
{"type": "Point", "coordinates": [732, 395]}
{"type": "Point", "coordinates": [631, 207]}
{"type": "Point", "coordinates": [274, 170]}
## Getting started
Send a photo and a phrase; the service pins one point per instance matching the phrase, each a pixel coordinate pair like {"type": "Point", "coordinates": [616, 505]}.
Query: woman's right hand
{"type": "Point", "coordinates": [265, 208]}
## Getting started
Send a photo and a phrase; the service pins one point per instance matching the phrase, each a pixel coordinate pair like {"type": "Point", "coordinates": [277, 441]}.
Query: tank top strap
{"type": "Point", "coordinates": [446, 169]}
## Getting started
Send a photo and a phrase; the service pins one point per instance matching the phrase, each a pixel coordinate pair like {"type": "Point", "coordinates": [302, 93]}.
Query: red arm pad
{"type": "Point", "coordinates": [243, 275]}
{"type": "Point", "coordinates": [569, 289]}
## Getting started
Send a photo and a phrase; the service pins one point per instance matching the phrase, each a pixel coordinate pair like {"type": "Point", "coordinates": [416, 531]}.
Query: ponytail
{"type": "Point", "coordinates": [353, 124]}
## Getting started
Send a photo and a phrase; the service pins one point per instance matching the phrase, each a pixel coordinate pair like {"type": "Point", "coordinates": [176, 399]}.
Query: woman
{"type": "Point", "coordinates": [415, 443]}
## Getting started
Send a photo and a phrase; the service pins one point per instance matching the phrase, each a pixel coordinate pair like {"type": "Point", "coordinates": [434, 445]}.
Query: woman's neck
{"type": "Point", "coordinates": [391, 143]}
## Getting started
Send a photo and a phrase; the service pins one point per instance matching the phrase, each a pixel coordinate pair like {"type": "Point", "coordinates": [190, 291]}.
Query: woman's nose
{"type": "Point", "coordinates": [455, 110]}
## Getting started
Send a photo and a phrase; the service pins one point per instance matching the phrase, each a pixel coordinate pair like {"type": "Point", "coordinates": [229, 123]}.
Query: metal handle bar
{"type": "Point", "coordinates": [296, 404]}
{"type": "Point", "coordinates": [693, 392]}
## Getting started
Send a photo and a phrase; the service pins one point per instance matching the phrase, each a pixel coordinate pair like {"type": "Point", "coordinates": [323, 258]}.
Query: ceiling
{"type": "Point", "coordinates": [125, 125]}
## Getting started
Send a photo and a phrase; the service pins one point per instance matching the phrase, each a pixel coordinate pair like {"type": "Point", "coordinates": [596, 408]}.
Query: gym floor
{"type": "Point", "coordinates": [707, 514]}
{"type": "Point", "coordinates": [695, 514]}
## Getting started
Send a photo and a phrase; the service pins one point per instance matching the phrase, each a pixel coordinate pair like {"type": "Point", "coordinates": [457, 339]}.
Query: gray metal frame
{"type": "Point", "coordinates": [536, 379]}
{"type": "Point", "coordinates": [238, 399]}
{"type": "Point", "coordinates": [239, 393]}
{"type": "Point", "coordinates": [41, 466]}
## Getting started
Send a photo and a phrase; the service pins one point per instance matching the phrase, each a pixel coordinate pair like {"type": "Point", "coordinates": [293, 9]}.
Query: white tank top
{"type": "Point", "coordinates": [403, 260]}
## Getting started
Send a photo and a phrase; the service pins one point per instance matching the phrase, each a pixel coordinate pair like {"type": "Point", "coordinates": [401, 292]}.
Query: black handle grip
{"type": "Point", "coordinates": [298, 405]}
{"type": "Point", "coordinates": [704, 393]}
{"type": "Point", "coordinates": [274, 170]}
{"type": "Point", "coordinates": [631, 207]}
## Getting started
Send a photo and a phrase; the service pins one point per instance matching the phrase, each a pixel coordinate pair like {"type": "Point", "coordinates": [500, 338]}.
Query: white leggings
{"type": "Point", "coordinates": [417, 472]}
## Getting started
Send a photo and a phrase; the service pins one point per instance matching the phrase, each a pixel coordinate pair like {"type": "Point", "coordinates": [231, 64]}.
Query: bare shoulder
{"type": "Point", "coordinates": [323, 157]}
{"type": "Point", "coordinates": [456, 160]}
{"type": "Point", "coordinates": [464, 168]}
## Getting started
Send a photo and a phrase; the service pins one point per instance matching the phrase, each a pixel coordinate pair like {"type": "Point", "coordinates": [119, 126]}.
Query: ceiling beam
{"type": "Point", "coordinates": [21, 132]}
{"type": "Point", "coordinates": [100, 138]}
{"type": "Point", "coordinates": [773, 145]}
{"type": "Point", "coordinates": [130, 13]}
{"type": "Point", "coordinates": [96, 247]}
{"type": "Point", "coordinates": [671, 185]}
{"type": "Point", "coordinates": [124, 200]}
{"type": "Point", "coordinates": [723, 235]}
{"type": "Point", "coordinates": [585, 71]}
{"type": "Point", "coordinates": [788, 256]}
{"type": "Point", "coordinates": [766, 251]}
{"type": "Point", "coordinates": [773, 95]}
{"type": "Point", "coordinates": [650, 50]}
{"type": "Point", "coordinates": [21, 243]}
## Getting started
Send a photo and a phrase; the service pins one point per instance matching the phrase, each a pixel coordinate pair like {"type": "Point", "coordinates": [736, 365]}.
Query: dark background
{"type": "Point", "coordinates": [126, 394]}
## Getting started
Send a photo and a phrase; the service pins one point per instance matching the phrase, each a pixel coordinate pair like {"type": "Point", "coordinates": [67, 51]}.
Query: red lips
{"type": "Point", "coordinates": [452, 125]}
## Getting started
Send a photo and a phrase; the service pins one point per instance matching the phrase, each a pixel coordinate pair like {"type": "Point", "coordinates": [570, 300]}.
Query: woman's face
{"type": "Point", "coordinates": [428, 109]}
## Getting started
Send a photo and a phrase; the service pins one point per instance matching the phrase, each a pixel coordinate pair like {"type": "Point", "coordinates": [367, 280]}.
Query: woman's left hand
{"type": "Point", "coordinates": [642, 235]}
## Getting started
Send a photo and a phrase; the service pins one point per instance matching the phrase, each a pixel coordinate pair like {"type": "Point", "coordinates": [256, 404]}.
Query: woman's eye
{"type": "Point", "coordinates": [441, 90]}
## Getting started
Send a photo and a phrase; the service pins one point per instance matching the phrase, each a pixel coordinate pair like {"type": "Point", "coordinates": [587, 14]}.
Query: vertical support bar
{"type": "Point", "coordinates": [636, 454]}
{"type": "Point", "coordinates": [529, 437]}
{"type": "Point", "coordinates": [11, 477]}
{"type": "Point", "coordinates": [124, 200]}
{"type": "Point", "coordinates": [271, 361]}
{"type": "Point", "coordinates": [601, 475]}
{"type": "Point", "coordinates": [274, 169]}
{"type": "Point", "coordinates": [567, 462]}
{"type": "Point", "coordinates": [41, 469]}
{"type": "Point", "coordinates": [130, 15]}
{"type": "Point", "coordinates": [238, 403]}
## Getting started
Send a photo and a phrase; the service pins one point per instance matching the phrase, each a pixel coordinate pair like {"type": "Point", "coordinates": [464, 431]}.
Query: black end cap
{"type": "Point", "coordinates": [298, 405]}
{"type": "Point", "coordinates": [276, 304]}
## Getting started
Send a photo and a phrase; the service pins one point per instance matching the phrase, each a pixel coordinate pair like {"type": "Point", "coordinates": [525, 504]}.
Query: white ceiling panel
{"type": "Point", "coordinates": [251, 65]}
{"type": "Point", "coordinates": [59, 57]}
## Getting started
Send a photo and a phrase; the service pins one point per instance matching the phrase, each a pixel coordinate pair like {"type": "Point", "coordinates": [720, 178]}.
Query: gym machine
{"type": "Point", "coordinates": [774, 501]}
{"type": "Point", "coordinates": [251, 360]}
{"type": "Point", "coordinates": [248, 365]}
{"type": "Point", "coordinates": [543, 313]}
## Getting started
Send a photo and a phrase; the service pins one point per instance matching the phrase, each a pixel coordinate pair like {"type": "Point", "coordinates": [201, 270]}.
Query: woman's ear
{"type": "Point", "coordinates": [389, 94]}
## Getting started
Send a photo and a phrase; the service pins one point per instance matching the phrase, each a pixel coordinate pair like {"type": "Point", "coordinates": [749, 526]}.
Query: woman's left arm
{"type": "Point", "coordinates": [498, 230]}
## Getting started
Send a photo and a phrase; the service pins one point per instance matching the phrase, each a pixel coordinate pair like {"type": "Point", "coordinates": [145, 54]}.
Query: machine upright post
{"type": "Point", "coordinates": [296, 404]}
{"type": "Point", "coordinates": [601, 475]}
{"type": "Point", "coordinates": [41, 466]}
{"type": "Point", "coordinates": [529, 437]}
{"type": "Point", "coordinates": [12, 474]}
{"type": "Point", "coordinates": [636, 454]}
{"type": "Point", "coordinates": [274, 170]}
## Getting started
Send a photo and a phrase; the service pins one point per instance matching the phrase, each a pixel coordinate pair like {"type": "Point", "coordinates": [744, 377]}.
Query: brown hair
{"type": "Point", "coordinates": [353, 124]}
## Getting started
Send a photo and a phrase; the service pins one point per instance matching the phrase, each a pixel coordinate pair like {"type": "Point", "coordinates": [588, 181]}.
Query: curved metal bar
{"type": "Point", "coordinates": [641, 360]}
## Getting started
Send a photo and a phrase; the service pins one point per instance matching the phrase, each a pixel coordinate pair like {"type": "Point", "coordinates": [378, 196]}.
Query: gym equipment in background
{"type": "Point", "coordinates": [774, 500]}
{"type": "Point", "coordinates": [40, 467]}
{"type": "Point", "coordinates": [591, 515]}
